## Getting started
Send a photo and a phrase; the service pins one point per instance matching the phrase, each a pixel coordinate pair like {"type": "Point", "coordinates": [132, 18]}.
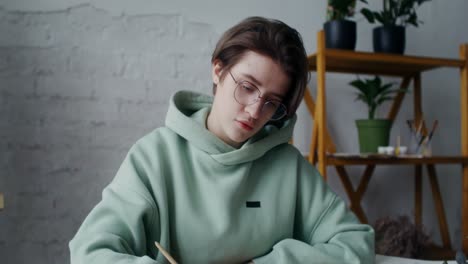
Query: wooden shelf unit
{"type": "Point", "coordinates": [408, 68]}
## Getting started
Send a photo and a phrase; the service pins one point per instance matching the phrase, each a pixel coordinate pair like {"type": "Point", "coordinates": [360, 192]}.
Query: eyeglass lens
{"type": "Point", "coordinates": [246, 94]}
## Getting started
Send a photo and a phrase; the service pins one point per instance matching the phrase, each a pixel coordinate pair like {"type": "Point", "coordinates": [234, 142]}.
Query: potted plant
{"type": "Point", "coordinates": [395, 16]}
{"type": "Point", "coordinates": [340, 33]}
{"type": "Point", "coordinates": [373, 132]}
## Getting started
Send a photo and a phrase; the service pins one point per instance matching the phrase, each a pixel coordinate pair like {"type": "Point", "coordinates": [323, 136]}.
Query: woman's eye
{"type": "Point", "coordinates": [272, 104]}
{"type": "Point", "coordinates": [248, 88]}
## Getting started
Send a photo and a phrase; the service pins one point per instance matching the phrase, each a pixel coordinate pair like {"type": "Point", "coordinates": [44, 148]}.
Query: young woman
{"type": "Point", "coordinates": [220, 183]}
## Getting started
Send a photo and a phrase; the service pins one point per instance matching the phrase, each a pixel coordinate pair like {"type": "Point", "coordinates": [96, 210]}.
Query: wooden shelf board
{"type": "Point", "coordinates": [358, 62]}
{"type": "Point", "coordinates": [342, 160]}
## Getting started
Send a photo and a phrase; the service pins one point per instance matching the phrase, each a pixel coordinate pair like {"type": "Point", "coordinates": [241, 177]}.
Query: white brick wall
{"type": "Point", "coordinates": [77, 88]}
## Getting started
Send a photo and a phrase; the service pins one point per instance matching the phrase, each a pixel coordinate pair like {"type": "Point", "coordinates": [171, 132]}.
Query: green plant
{"type": "Point", "coordinates": [373, 93]}
{"type": "Point", "coordinates": [395, 12]}
{"type": "Point", "coordinates": [340, 9]}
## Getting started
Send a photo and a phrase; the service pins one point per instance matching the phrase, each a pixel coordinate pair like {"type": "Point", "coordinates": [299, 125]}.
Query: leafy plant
{"type": "Point", "coordinates": [395, 12]}
{"type": "Point", "coordinates": [340, 9]}
{"type": "Point", "coordinates": [374, 93]}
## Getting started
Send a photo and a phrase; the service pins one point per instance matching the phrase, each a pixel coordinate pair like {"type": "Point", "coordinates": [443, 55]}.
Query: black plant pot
{"type": "Point", "coordinates": [389, 39]}
{"type": "Point", "coordinates": [340, 34]}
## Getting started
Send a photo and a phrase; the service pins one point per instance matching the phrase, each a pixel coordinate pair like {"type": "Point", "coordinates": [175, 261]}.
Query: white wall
{"type": "Point", "coordinates": [80, 81]}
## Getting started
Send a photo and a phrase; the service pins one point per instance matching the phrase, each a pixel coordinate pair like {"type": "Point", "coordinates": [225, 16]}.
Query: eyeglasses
{"type": "Point", "coordinates": [247, 94]}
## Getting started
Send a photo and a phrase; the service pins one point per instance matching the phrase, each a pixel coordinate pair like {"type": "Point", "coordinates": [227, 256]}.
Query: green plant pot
{"type": "Point", "coordinates": [373, 133]}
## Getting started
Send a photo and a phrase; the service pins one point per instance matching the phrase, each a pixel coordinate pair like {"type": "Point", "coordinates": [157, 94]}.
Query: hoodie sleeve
{"type": "Point", "coordinates": [325, 230]}
{"type": "Point", "coordinates": [121, 228]}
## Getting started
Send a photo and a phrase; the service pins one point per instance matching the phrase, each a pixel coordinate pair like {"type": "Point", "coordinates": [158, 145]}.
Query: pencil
{"type": "Point", "coordinates": [165, 253]}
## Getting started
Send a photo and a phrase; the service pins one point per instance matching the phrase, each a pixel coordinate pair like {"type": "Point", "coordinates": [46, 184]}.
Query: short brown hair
{"type": "Point", "coordinates": [271, 38]}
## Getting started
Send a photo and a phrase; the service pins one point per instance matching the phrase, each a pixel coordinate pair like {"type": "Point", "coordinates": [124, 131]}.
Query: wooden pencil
{"type": "Point", "coordinates": [165, 253]}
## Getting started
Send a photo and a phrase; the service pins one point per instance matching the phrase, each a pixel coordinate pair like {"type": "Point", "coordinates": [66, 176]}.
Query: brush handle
{"type": "Point", "coordinates": [434, 126]}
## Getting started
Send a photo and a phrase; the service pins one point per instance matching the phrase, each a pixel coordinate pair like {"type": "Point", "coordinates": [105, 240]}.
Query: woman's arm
{"type": "Point", "coordinates": [122, 226]}
{"type": "Point", "coordinates": [325, 230]}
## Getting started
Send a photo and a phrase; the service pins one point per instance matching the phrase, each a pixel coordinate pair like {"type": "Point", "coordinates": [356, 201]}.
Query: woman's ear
{"type": "Point", "coordinates": [216, 70]}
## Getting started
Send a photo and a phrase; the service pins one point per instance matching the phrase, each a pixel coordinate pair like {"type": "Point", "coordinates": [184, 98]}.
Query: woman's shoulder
{"type": "Point", "coordinates": [288, 151]}
{"type": "Point", "coordinates": [292, 156]}
{"type": "Point", "coordinates": [158, 139]}
{"type": "Point", "coordinates": [158, 135]}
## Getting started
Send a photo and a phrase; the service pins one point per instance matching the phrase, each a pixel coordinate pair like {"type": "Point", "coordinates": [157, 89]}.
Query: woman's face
{"type": "Point", "coordinates": [232, 122]}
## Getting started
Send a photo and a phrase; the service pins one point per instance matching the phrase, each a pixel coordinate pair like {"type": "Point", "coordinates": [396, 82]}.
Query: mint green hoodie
{"type": "Point", "coordinates": [207, 202]}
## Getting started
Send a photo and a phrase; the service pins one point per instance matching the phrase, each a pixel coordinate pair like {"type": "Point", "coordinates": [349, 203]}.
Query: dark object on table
{"type": "Point", "coordinates": [460, 257]}
{"type": "Point", "coordinates": [400, 237]}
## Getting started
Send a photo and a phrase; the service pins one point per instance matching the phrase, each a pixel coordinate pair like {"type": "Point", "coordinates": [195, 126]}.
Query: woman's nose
{"type": "Point", "coordinates": [255, 109]}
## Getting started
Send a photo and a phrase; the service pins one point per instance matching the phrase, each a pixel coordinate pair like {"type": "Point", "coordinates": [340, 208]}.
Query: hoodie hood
{"type": "Point", "coordinates": [187, 116]}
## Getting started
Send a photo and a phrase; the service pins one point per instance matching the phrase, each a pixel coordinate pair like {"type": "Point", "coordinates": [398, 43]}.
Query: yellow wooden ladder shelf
{"type": "Point", "coordinates": [409, 68]}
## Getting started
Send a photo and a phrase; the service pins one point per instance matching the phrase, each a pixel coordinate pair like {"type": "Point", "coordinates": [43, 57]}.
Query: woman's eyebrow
{"type": "Point", "coordinates": [258, 83]}
{"type": "Point", "coordinates": [252, 79]}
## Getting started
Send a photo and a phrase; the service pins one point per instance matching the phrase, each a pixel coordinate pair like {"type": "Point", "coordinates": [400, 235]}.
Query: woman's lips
{"type": "Point", "coordinates": [245, 125]}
